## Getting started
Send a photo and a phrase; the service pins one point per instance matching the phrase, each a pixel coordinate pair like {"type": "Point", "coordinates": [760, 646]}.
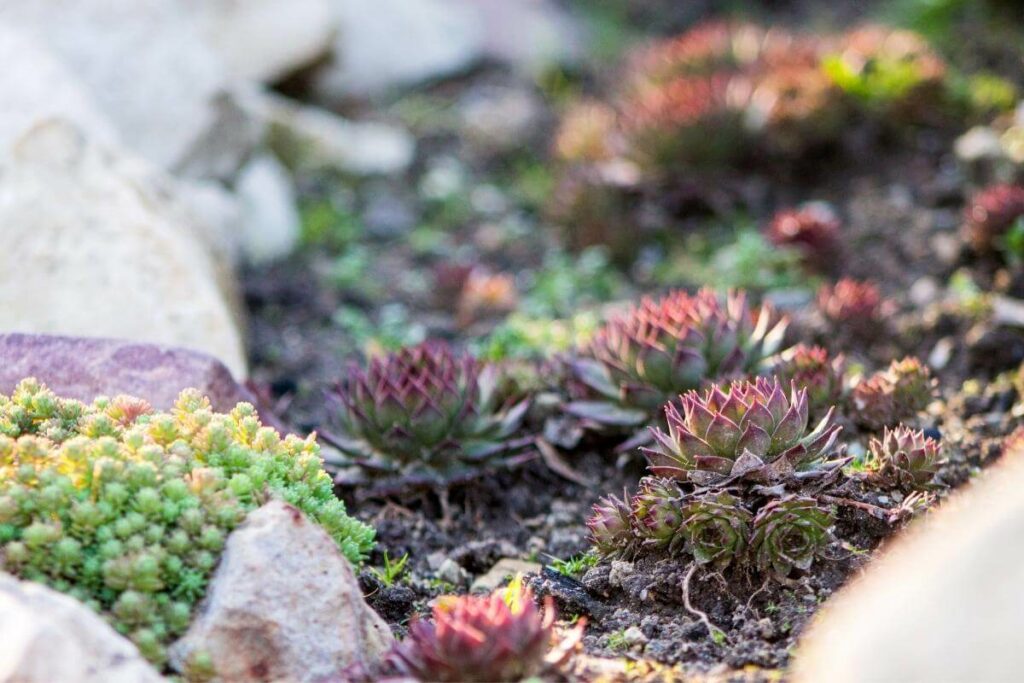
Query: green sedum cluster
{"type": "Point", "coordinates": [128, 510]}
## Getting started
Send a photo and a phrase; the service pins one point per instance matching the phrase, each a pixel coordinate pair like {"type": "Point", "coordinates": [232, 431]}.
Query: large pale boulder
{"type": "Point", "coordinates": [944, 602]}
{"type": "Point", "coordinates": [264, 40]}
{"type": "Point", "coordinates": [149, 71]}
{"type": "Point", "coordinates": [389, 43]}
{"type": "Point", "coordinates": [36, 86]}
{"type": "Point", "coordinates": [47, 637]}
{"type": "Point", "coordinates": [95, 247]}
{"type": "Point", "coordinates": [283, 605]}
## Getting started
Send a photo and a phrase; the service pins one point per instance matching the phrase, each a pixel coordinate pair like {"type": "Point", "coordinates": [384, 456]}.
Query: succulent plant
{"type": "Point", "coordinates": [897, 393]}
{"type": "Point", "coordinates": [750, 431]}
{"type": "Point", "coordinates": [904, 458]}
{"type": "Point", "coordinates": [811, 368]}
{"type": "Point", "coordinates": [856, 306]}
{"type": "Point", "coordinates": [693, 121]}
{"type": "Point", "coordinates": [716, 527]}
{"type": "Point", "coordinates": [813, 230]}
{"type": "Point", "coordinates": [128, 509]}
{"type": "Point", "coordinates": [662, 348]}
{"type": "Point", "coordinates": [500, 637]}
{"type": "Point", "coordinates": [710, 47]}
{"type": "Point", "coordinates": [587, 133]}
{"type": "Point", "coordinates": [990, 215]}
{"type": "Point", "coordinates": [892, 70]}
{"type": "Point", "coordinates": [789, 533]}
{"type": "Point", "coordinates": [656, 514]}
{"type": "Point", "coordinates": [795, 106]}
{"type": "Point", "coordinates": [611, 526]}
{"type": "Point", "coordinates": [423, 415]}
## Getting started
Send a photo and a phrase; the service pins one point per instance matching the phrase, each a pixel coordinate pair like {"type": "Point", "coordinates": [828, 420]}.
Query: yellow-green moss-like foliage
{"type": "Point", "coordinates": [128, 509]}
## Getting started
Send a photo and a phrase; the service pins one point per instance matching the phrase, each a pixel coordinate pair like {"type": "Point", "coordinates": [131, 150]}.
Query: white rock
{"type": "Point", "coordinates": [283, 605]}
{"type": "Point", "coordinates": [980, 142]}
{"type": "Point", "coordinates": [36, 85]}
{"type": "Point", "coordinates": [389, 43]}
{"type": "Point", "coordinates": [496, 119]}
{"type": "Point", "coordinates": [315, 138]}
{"type": "Point", "coordinates": [264, 40]}
{"type": "Point", "coordinates": [526, 34]}
{"type": "Point", "coordinates": [150, 72]}
{"type": "Point", "coordinates": [270, 221]}
{"type": "Point", "coordinates": [96, 246]}
{"type": "Point", "coordinates": [944, 603]}
{"type": "Point", "coordinates": [46, 637]}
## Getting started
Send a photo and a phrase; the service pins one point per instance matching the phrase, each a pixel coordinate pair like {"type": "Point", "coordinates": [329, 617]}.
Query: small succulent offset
{"type": "Point", "coordinates": [813, 230]}
{"type": "Point", "coordinates": [991, 214]}
{"type": "Point", "coordinates": [656, 514]}
{"type": "Point", "coordinates": [659, 349]}
{"type": "Point", "coordinates": [905, 459]}
{"type": "Point", "coordinates": [749, 432]}
{"type": "Point", "coordinates": [612, 527]}
{"type": "Point", "coordinates": [811, 368]}
{"type": "Point", "coordinates": [789, 533]}
{"type": "Point", "coordinates": [424, 415]}
{"type": "Point", "coordinates": [500, 637]}
{"type": "Point", "coordinates": [897, 393]}
{"type": "Point", "coordinates": [716, 527]}
{"type": "Point", "coordinates": [127, 509]}
{"type": "Point", "coordinates": [855, 305]}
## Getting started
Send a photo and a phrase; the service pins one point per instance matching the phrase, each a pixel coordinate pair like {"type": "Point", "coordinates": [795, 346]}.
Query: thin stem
{"type": "Point", "coordinates": [693, 610]}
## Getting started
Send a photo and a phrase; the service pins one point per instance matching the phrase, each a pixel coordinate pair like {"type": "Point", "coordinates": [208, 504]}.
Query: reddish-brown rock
{"type": "Point", "coordinates": [83, 368]}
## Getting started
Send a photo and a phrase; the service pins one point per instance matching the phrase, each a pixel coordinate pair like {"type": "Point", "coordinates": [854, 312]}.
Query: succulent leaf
{"type": "Point", "coordinates": [716, 527]}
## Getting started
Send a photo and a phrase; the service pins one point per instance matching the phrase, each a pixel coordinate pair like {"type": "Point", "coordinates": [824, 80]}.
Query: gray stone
{"type": "Point", "coordinates": [47, 637]}
{"type": "Point", "coordinates": [97, 247]}
{"type": "Point", "coordinates": [149, 71]}
{"type": "Point", "coordinates": [82, 369]}
{"type": "Point", "coordinates": [283, 605]}
{"type": "Point", "coordinates": [264, 40]}
{"type": "Point", "coordinates": [498, 119]}
{"type": "Point", "coordinates": [313, 138]}
{"type": "Point", "coordinates": [502, 570]}
{"type": "Point", "coordinates": [390, 43]}
{"type": "Point", "coordinates": [943, 603]}
{"type": "Point", "coordinates": [977, 144]}
{"type": "Point", "coordinates": [270, 222]}
{"type": "Point", "coordinates": [527, 34]}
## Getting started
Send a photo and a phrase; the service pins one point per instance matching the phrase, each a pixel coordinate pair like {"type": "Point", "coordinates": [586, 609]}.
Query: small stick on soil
{"type": "Point", "coordinates": [873, 510]}
{"type": "Point", "coordinates": [696, 612]}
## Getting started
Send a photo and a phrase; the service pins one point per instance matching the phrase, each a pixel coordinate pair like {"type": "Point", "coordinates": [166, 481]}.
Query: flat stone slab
{"type": "Point", "coordinates": [83, 368]}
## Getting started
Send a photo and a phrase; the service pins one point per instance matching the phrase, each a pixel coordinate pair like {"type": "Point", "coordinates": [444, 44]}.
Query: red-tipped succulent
{"type": "Point", "coordinates": [897, 393]}
{"type": "Point", "coordinates": [750, 431]}
{"type": "Point", "coordinates": [426, 414]}
{"type": "Point", "coordinates": [855, 305]}
{"type": "Point", "coordinates": [500, 637]}
{"type": "Point", "coordinates": [991, 213]}
{"type": "Point", "coordinates": [811, 368]}
{"type": "Point", "coordinates": [813, 230]}
{"type": "Point", "coordinates": [690, 121]}
{"type": "Point", "coordinates": [904, 458]}
{"type": "Point", "coordinates": [662, 348]}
